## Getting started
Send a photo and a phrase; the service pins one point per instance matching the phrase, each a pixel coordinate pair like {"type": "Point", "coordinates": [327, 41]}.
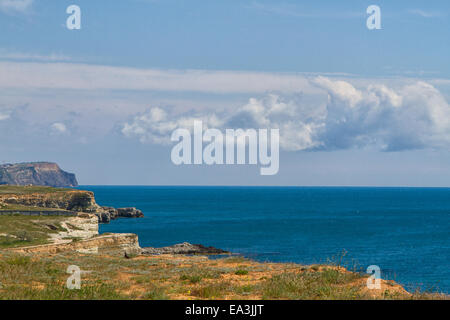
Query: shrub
{"type": "Point", "coordinates": [241, 272]}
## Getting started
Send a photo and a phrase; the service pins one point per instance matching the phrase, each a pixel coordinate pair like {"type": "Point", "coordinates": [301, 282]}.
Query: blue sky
{"type": "Point", "coordinates": [87, 98]}
{"type": "Point", "coordinates": [290, 36]}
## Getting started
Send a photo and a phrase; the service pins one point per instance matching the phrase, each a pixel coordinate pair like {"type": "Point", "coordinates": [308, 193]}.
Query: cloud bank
{"type": "Point", "coordinates": [415, 116]}
{"type": "Point", "coordinates": [38, 75]}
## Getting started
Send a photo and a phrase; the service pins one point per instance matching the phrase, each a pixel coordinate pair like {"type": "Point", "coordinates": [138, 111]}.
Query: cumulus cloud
{"type": "Point", "coordinates": [414, 116]}
{"type": "Point", "coordinates": [20, 6]}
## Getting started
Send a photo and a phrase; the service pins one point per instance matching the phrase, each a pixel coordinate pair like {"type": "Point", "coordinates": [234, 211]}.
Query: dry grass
{"type": "Point", "coordinates": [110, 276]}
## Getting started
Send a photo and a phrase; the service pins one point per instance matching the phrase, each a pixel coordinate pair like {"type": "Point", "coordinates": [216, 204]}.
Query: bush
{"type": "Point", "coordinates": [241, 272]}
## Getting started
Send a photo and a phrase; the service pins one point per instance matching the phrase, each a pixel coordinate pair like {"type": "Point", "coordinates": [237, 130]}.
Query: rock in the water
{"type": "Point", "coordinates": [106, 214]}
{"type": "Point", "coordinates": [184, 248]}
{"type": "Point", "coordinates": [37, 174]}
{"type": "Point", "coordinates": [129, 213]}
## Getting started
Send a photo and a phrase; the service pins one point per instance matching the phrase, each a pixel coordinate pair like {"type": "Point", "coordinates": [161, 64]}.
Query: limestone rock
{"type": "Point", "coordinates": [106, 214]}
{"type": "Point", "coordinates": [129, 213]}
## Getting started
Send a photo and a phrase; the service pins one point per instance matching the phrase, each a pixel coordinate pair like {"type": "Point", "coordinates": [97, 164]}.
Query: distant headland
{"type": "Point", "coordinates": [37, 174]}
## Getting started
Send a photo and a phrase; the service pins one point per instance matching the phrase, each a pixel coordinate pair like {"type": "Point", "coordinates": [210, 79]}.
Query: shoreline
{"type": "Point", "coordinates": [185, 266]}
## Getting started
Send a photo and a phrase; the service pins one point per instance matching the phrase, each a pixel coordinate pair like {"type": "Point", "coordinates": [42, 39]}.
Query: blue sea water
{"type": "Point", "coordinates": [405, 231]}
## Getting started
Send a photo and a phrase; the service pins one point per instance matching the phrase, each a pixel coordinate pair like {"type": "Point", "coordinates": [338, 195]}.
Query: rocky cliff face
{"type": "Point", "coordinates": [36, 173]}
{"type": "Point", "coordinates": [71, 200]}
{"type": "Point", "coordinates": [64, 199]}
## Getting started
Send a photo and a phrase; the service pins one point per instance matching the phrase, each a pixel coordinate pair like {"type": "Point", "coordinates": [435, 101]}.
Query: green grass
{"type": "Point", "coordinates": [246, 289]}
{"type": "Point", "coordinates": [241, 272]}
{"type": "Point", "coordinates": [22, 277]}
{"type": "Point", "coordinates": [21, 190]}
{"type": "Point", "coordinates": [155, 293]}
{"type": "Point", "coordinates": [17, 230]}
{"type": "Point", "coordinates": [327, 284]}
{"type": "Point", "coordinates": [196, 275]}
{"type": "Point", "coordinates": [58, 291]}
{"type": "Point", "coordinates": [191, 278]}
{"type": "Point", "coordinates": [212, 291]}
{"type": "Point", "coordinates": [110, 276]}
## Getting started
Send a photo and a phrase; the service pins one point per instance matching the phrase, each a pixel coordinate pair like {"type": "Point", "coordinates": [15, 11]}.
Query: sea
{"type": "Point", "coordinates": [403, 231]}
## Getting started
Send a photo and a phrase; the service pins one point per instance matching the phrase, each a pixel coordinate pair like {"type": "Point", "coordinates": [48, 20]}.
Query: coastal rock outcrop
{"type": "Point", "coordinates": [63, 199]}
{"type": "Point", "coordinates": [106, 214]}
{"type": "Point", "coordinates": [36, 173]}
{"type": "Point", "coordinates": [129, 213]}
{"type": "Point", "coordinates": [183, 248]}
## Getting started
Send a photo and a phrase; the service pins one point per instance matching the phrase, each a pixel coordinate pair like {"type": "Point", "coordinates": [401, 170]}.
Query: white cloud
{"type": "Point", "coordinates": [20, 6]}
{"type": "Point", "coordinates": [4, 116]}
{"type": "Point", "coordinates": [414, 116]}
{"type": "Point", "coordinates": [155, 125]}
{"type": "Point", "coordinates": [312, 112]}
{"type": "Point", "coordinates": [58, 128]}
{"type": "Point", "coordinates": [34, 75]}
{"type": "Point", "coordinates": [341, 90]}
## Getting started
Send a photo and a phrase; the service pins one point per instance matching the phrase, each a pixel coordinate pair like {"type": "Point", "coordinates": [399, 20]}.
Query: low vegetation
{"type": "Point", "coordinates": [108, 275]}
{"type": "Point", "coordinates": [21, 190]}
{"type": "Point", "coordinates": [17, 230]}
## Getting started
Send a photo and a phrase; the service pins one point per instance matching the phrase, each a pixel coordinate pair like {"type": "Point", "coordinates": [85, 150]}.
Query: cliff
{"type": "Point", "coordinates": [23, 199]}
{"type": "Point", "coordinates": [49, 198]}
{"type": "Point", "coordinates": [36, 173]}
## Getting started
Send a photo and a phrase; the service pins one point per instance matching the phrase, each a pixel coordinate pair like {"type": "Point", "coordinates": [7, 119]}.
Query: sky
{"type": "Point", "coordinates": [355, 107]}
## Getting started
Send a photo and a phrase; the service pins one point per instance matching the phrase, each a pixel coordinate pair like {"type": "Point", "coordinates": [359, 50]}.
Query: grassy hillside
{"type": "Point", "coordinates": [18, 231]}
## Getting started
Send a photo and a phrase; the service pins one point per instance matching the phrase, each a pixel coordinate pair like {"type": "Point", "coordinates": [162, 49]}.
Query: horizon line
{"type": "Point", "coordinates": [258, 186]}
